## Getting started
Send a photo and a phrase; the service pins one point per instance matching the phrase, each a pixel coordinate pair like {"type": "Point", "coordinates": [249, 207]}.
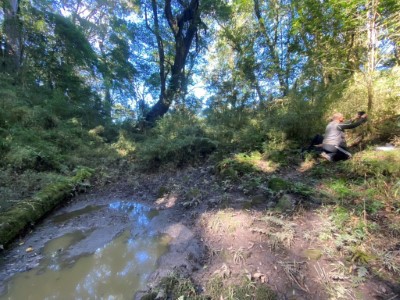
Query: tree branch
{"type": "Point", "coordinates": [147, 21]}
{"type": "Point", "coordinates": [160, 46]}
{"type": "Point", "coordinates": [170, 17]}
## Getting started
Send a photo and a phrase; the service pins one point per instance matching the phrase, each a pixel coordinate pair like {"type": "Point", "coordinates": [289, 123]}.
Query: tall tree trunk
{"type": "Point", "coordinates": [372, 50]}
{"type": "Point", "coordinates": [184, 27]}
{"type": "Point", "coordinates": [12, 52]}
{"type": "Point", "coordinates": [272, 48]}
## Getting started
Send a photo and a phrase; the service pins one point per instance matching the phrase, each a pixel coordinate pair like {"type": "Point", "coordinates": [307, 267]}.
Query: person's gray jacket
{"type": "Point", "coordinates": [334, 133]}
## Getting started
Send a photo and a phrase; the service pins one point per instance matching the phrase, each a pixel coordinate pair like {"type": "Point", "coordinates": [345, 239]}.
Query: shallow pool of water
{"type": "Point", "coordinates": [115, 271]}
{"type": "Point", "coordinates": [76, 213]}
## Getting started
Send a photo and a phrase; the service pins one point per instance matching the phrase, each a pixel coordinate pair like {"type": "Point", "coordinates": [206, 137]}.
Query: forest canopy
{"type": "Point", "coordinates": [198, 76]}
{"type": "Point", "coordinates": [173, 81]}
{"type": "Point", "coordinates": [143, 58]}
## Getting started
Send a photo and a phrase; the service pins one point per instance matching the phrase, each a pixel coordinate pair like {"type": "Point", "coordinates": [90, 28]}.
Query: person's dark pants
{"type": "Point", "coordinates": [335, 153]}
{"type": "Point", "coordinates": [317, 140]}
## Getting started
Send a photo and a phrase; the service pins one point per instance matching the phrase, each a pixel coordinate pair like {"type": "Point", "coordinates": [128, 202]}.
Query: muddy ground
{"type": "Point", "coordinates": [219, 229]}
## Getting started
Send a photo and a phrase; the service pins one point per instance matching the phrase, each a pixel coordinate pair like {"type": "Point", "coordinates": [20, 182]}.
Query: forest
{"type": "Point", "coordinates": [210, 101]}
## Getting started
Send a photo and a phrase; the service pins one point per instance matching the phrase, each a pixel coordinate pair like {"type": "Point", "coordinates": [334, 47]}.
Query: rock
{"type": "Point", "coordinates": [260, 276]}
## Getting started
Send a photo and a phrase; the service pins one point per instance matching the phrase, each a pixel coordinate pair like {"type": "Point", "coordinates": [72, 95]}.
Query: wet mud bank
{"type": "Point", "coordinates": [97, 246]}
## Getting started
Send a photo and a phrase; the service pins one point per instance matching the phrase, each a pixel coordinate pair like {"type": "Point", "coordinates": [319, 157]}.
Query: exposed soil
{"type": "Point", "coordinates": [283, 250]}
{"type": "Point", "coordinates": [219, 230]}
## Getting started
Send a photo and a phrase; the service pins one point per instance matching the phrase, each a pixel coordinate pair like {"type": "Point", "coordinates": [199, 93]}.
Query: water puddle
{"type": "Point", "coordinates": [76, 213]}
{"type": "Point", "coordinates": [115, 271]}
{"type": "Point", "coordinates": [137, 212]}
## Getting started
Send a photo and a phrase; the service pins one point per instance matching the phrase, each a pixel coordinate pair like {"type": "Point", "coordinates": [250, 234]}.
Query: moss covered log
{"type": "Point", "coordinates": [25, 213]}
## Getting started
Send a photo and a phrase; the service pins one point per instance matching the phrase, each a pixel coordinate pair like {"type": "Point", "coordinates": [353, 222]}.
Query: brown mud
{"type": "Point", "coordinates": [215, 229]}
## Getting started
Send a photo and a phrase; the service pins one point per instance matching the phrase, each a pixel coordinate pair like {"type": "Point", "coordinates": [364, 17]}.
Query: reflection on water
{"type": "Point", "coordinates": [54, 249]}
{"type": "Point", "coordinates": [136, 211]}
{"type": "Point", "coordinates": [115, 271]}
{"type": "Point", "coordinates": [76, 213]}
{"type": "Point", "coordinates": [60, 244]}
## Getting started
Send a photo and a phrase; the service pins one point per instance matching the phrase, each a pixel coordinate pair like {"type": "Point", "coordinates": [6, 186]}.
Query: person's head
{"type": "Point", "coordinates": [338, 117]}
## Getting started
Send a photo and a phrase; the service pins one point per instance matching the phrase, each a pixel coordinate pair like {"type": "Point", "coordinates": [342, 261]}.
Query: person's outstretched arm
{"type": "Point", "coordinates": [360, 120]}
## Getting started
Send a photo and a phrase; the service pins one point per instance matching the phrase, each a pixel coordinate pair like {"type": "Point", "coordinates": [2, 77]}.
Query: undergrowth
{"type": "Point", "coordinates": [44, 139]}
{"type": "Point", "coordinates": [176, 286]}
{"type": "Point", "coordinates": [176, 140]}
{"type": "Point", "coordinates": [366, 194]}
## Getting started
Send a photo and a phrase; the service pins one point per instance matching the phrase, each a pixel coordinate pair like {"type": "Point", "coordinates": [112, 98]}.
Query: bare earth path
{"type": "Point", "coordinates": [217, 230]}
{"type": "Point", "coordinates": [240, 238]}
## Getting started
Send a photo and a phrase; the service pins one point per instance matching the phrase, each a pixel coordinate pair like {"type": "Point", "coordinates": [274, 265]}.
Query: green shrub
{"type": "Point", "coordinates": [64, 139]}
{"type": "Point", "coordinates": [156, 152]}
{"type": "Point", "coordinates": [39, 117]}
{"type": "Point", "coordinates": [27, 157]}
{"type": "Point", "coordinates": [16, 187]}
{"type": "Point", "coordinates": [60, 148]}
{"type": "Point", "coordinates": [250, 137]}
{"type": "Point", "coordinates": [239, 165]}
{"type": "Point", "coordinates": [278, 184]}
{"type": "Point", "coordinates": [19, 114]}
{"type": "Point", "coordinates": [124, 146]}
{"type": "Point", "coordinates": [237, 130]}
{"type": "Point", "coordinates": [8, 93]}
{"type": "Point", "coordinates": [387, 129]}
{"type": "Point", "coordinates": [302, 189]}
{"type": "Point", "coordinates": [22, 158]}
{"type": "Point", "coordinates": [177, 139]}
{"type": "Point", "coordinates": [376, 163]}
{"type": "Point", "coordinates": [341, 189]}
{"type": "Point", "coordinates": [4, 146]}
{"type": "Point", "coordinates": [278, 148]}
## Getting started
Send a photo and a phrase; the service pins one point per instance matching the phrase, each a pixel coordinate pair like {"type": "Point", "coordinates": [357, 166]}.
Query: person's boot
{"type": "Point", "coordinates": [327, 156]}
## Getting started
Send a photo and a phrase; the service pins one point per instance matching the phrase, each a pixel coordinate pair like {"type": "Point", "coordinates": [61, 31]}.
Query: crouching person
{"type": "Point", "coordinates": [334, 143]}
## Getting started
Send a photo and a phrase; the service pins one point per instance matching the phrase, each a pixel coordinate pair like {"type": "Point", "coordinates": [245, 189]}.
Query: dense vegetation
{"type": "Point", "coordinates": [93, 89]}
